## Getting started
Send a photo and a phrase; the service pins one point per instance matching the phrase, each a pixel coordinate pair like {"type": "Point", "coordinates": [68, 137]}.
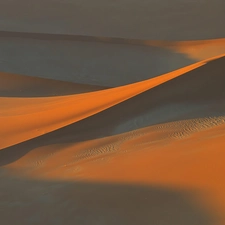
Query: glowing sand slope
{"type": "Point", "coordinates": [22, 119]}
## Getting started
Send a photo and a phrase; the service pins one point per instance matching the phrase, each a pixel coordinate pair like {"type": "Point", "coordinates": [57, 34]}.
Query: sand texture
{"type": "Point", "coordinates": [112, 112]}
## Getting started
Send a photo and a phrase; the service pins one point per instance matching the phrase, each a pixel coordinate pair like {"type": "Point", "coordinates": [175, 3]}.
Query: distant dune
{"type": "Point", "coordinates": [84, 59]}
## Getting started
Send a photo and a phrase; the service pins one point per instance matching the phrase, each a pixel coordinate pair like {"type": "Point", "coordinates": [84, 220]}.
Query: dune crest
{"type": "Point", "coordinates": [24, 122]}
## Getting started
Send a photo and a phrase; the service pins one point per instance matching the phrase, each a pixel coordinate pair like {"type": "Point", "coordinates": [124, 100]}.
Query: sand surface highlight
{"type": "Point", "coordinates": [22, 119]}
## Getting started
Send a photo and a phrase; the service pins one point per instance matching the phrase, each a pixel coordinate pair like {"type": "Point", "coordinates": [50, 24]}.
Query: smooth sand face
{"type": "Point", "coordinates": [121, 122]}
{"type": "Point", "coordinates": [95, 63]}
{"type": "Point", "coordinates": [96, 60]}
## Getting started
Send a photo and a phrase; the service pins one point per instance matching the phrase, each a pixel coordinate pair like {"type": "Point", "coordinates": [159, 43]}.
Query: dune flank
{"type": "Point", "coordinates": [87, 59]}
{"type": "Point", "coordinates": [84, 59]}
{"type": "Point", "coordinates": [23, 119]}
{"type": "Point", "coordinates": [147, 156]}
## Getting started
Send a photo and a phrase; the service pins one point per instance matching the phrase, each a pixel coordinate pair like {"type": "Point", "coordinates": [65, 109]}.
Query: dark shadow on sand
{"type": "Point", "coordinates": [96, 61]}
{"type": "Point", "coordinates": [28, 202]}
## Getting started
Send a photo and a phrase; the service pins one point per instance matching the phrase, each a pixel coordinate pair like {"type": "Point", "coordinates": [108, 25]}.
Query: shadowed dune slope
{"type": "Point", "coordinates": [20, 117]}
{"type": "Point", "coordinates": [99, 60]}
{"type": "Point", "coordinates": [14, 85]}
{"type": "Point", "coordinates": [88, 62]}
{"type": "Point", "coordinates": [88, 203]}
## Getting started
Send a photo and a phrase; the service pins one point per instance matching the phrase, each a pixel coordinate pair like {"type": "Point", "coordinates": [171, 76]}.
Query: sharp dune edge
{"type": "Point", "coordinates": [150, 152]}
{"type": "Point", "coordinates": [35, 117]}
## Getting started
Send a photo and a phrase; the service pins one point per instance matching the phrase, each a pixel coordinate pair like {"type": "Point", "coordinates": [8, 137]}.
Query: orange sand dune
{"type": "Point", "coordinates": [186, 161]}
{"type": "Point", "coordinates": [185, 155]}
{"type": "Point", "coordinates": [112, 112]}
{"type": "Point", "coordinates": [22, 119]}
{"type": "Point", "coordinates": [180, 163]}
{"type": "Point", "coordinates": [179, 99]}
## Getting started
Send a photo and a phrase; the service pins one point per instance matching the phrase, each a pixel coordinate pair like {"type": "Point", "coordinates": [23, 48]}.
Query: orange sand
{"type": "Point", "coordinates": [23, 119]}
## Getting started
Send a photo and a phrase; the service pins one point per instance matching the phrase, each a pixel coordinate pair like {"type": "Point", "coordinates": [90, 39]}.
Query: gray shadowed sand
{"type": "Point", "coordinates": [94, 63]}
{"type": "Point", "coordinates": [30, 202]}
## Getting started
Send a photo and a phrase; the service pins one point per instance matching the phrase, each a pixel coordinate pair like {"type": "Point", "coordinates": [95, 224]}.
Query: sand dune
{"type": "Point", "coordinates": [185, 99]}
{"type": "Point", "coordinates": [24, 122]}
{"type": "Point", "coordinates": [112, 123]}
{"type": "Point", "coordinates": [87, 60]}
{"type": "Point", "coordinates": [148, 156]}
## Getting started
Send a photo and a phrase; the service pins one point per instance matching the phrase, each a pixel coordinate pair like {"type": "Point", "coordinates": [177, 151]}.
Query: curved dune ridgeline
{"type": "Point", "coordinates": [23, 119]}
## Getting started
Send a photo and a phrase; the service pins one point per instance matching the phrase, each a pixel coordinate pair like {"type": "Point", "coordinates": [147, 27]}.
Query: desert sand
{"type": "Point", "coordinates": [118, 119]}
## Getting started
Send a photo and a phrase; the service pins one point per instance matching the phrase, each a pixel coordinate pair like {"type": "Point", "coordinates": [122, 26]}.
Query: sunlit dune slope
{"type": "Point", "coordinates": [178, 155]}
{"type": "Point", "coordinates": [185, 155]}
{"type": "Point", "coordinates": [197, 94]}
{"type": "Point", "coordinates": [14, 85]}
{"type": "Point", "coordinates": [22, 119]}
